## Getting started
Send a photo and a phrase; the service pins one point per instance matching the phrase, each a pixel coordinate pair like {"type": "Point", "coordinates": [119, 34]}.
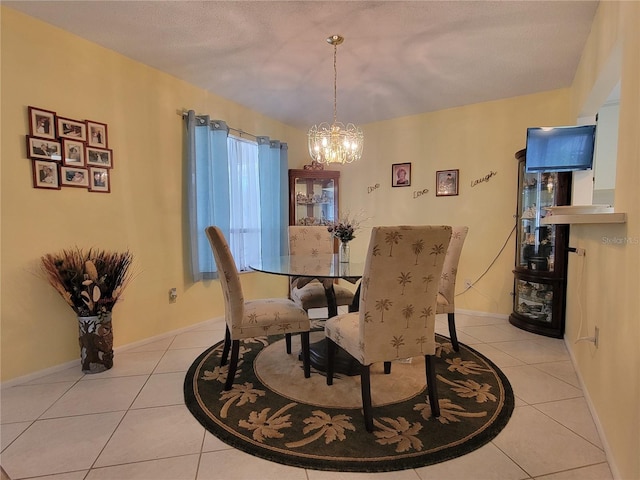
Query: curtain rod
{"type": "Point", "coordinates": [183, 114]}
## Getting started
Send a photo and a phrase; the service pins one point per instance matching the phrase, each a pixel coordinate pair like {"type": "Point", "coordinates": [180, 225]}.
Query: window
{"type": "Point", "coordinates": [244, 189]}
{"type": "Point", "coordinates": [241, 187]}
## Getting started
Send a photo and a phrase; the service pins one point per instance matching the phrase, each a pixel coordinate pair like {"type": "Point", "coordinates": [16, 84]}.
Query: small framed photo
{"type": "Point", "coordinates": [99, 157]}
{"type": "Point", "coordinates": [73, 129]}
{"type": "Point", "coordinates": [42, 149]}
{"type": "Point", "coordinates": [446, 183]}
{"type": "Point", "coordinates": [401, 175]}
{"type": "Point", "coordinates": [99, 180]}
{"type": "Point", "coordinates": [74, 177]}
{"type": "Point", "coordinates": [73, 153]}
{"type": "Point", "coordinates": [42, 123]}
{"type": "Point", "coordinates": [46, 175]}
{"type": "Point", "coordinates": [96, 134]}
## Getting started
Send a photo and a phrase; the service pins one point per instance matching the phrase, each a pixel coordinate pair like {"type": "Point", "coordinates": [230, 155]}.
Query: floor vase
{"type": "Point", "coordinates": [96, 343]}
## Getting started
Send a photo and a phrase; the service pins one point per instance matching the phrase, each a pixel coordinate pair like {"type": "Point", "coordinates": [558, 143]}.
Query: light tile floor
{"type": "Point", "coordinates": [131, 423]}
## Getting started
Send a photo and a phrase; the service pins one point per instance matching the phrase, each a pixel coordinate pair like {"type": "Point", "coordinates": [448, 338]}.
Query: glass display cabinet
{"type": "Point", "coordinates": [313, 196]}
{"type": "Point", "coordinates": [541, 252]}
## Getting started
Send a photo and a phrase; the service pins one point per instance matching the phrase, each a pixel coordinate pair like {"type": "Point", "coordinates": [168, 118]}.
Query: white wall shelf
{"type": "Point", "coordinates": [584, 218]}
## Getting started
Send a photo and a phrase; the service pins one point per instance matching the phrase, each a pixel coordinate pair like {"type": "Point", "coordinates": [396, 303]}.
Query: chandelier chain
{"type": "Point", "coordinates": [335, 82]}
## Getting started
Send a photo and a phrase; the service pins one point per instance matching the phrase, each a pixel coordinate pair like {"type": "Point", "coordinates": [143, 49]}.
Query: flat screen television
{"type": "Point", "coordinates": [560, 149]}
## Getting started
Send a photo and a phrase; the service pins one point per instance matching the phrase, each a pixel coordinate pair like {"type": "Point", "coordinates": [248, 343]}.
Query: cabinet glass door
{"type": "Point", "coordinates": [534, 300]}
{"type": "Point", "coordinates": [535, 250]}
{"type": "Point", "coordinates": [314, 201]}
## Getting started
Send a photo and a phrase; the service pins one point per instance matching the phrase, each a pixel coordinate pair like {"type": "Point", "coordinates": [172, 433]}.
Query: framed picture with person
{"type": "Point", "coordinates": [46, 175]}
{"type": "Point", "coordinates": [99, 180]}
{"type": "Point", "coordinates": [42, 123]}
{"type": "Point", "coordinates": [446, 183]}
{"type": "Point", "coordinates": [401, 175]}
{"type": "Point", "coordinates": [96, 134]}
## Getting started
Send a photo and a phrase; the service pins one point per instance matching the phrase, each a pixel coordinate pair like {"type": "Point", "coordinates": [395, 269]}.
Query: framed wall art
{"type": "Point", "coordinates": [99, 180]}
{"type": "Point", "coordinates": [446, 183]}
{"type": "Point", "coordinates": [73, 153]}
{"type": "Point", "coordinates": [401, 175]}
{"type": "Point", "coordinates": [42, 149]}
{"type": "Point", "coordinates": [46, 175]}
{"type": "Point", "coordinates": [96, 134]}
{"type": "Point", "coordinates": [73, 129]}
{"type": "Point", "coordinates": [99, 157]}
{"type": "Point", "coordinates": [74, 177]}
{"type": "Point", "coordinates": [42, 123]}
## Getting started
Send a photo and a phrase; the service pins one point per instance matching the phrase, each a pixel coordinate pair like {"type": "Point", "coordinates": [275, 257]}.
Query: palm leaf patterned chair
{"type": "Point", "coordinates": [447, 288]}
{"type": "Point", "coordinates": [253, 318]}
{"type": "Point", "coordinates": [396, 319]}
{"type": "Point", "coordinates": [308, 292]}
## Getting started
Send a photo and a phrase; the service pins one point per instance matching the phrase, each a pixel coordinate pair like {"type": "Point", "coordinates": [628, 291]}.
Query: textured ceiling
{"type": "Point", "coordinates": [399, 57]}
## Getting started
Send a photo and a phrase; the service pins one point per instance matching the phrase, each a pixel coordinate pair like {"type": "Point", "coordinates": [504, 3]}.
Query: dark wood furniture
{"type": "Point", "coordinates": [541, 252]}
{"type": "Point", "coordinates": [313, 196]}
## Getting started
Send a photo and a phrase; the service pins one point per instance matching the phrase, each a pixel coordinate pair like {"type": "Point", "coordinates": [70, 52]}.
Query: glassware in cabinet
{"type": "Point", "coordinates": [313, 196]}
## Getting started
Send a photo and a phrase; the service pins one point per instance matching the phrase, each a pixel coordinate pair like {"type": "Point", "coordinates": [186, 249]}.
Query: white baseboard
{"type": "Point", "coordinates": [73, 363]}
{"type": "Point", "coordinates": [482, 314]}
{"type": "Point", "coordinates": [615, 472]}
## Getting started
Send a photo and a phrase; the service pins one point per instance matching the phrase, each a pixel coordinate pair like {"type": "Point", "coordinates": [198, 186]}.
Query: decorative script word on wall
{"type": "Point", "coordinates": [484, 179]}
{"type": "Point", "coordinates": [374, 187]}
{"type": "Point", "coordinates": [419, 193]}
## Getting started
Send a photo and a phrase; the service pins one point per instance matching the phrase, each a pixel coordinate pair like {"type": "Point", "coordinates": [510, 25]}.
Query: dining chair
{"type": "Point", "coordinates": [396, 319]}
{"type": "Point", "coordinates": [252, 318]}
{"type": "Point", "coordinates": [447, 286]}
{"type": "Point", "coordinates": [308, 292]}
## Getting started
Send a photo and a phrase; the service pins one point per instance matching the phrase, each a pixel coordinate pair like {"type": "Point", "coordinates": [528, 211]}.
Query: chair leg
{"type": "Point", "coordinates": [387, 368]}
{"type": "Point", "coordinates": [452, 331]}
{"type": "Point", "coordinates": [233, 364]}
{"type": "Point", "coordinates": [365, 384]}
{"type": "Point", "coordinates": [432, 389]}
{"type": "Point", "coordinates": [331, 352]}
{"type": "Point", "coordinates": [226, 347]}
{"type": "Point", "coordinates": [306, 355]}
{"type": "Point", "coordinates": [287, 341]}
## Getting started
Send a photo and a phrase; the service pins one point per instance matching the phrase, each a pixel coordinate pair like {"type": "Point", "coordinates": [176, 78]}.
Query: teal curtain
{"type": "Point", "coordinates": [208, 189]}
{"type": "Point", "coordinates": [273, 159]}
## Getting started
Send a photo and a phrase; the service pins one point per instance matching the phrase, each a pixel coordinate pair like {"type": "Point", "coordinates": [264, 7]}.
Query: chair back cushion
{"type": "Point", "coordinates": [398, 291]}
{"type": "Point", "coordinates": [228, 275]}
{"type": "Point", "coordinates": [312, 241]}
{"type": "Point", "coordinates": [447, 287]}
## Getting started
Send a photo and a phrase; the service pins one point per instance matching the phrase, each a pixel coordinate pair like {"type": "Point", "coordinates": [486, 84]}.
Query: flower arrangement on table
{"type": "Point", "coordinates": [90, 281]}
{"type": "Point", "coordinates": [346, 227]}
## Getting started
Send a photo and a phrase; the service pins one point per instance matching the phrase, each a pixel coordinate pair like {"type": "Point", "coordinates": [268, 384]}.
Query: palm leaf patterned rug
{"type": "Point", "coordinates": [273, 412]}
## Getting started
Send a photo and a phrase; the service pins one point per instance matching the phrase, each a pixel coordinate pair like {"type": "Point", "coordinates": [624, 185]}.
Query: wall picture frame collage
{"type": "Point", "coordinates": [68, 153]}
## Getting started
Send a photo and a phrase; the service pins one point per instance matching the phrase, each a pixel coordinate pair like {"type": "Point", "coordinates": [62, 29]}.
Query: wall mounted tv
{"type": "Point", "coordinates": [560, 149]}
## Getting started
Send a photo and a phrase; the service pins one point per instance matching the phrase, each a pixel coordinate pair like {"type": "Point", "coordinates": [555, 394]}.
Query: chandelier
{"type": "Point", "coordinates": [335, 143]}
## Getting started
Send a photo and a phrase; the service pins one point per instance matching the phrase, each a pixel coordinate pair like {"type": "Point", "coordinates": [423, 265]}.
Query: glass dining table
{"type": "Point", "coordinates": [327, 269]}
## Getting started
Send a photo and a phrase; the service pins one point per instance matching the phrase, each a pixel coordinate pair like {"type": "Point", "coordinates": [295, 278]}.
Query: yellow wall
{"type": "Point", "coordinates": [49, 68]}
{"type": "Point", "coordinates": [604, 286]}
{"type": "Point", "coordinates": [477, 140]}
{"type": "Point", "coordinates": [145, 211]}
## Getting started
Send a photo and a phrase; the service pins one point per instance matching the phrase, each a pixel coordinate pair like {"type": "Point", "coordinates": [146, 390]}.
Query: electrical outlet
{"type": "Point", "coordinates": [596, 336]}
{"type": "Point", "coordinates": [468, 283]}
{"type": "Point", "coordinates": [173, 295]}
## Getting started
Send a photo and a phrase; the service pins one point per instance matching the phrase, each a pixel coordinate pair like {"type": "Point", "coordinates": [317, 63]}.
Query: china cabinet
{"type": "Point", "coordinates": [541, 252]}
{"type": "Point", "coordinates": [313, 196]}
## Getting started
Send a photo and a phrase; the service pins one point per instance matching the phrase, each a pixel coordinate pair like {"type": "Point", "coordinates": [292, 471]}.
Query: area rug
{"type": "Point", "coordinates": [273, 412]}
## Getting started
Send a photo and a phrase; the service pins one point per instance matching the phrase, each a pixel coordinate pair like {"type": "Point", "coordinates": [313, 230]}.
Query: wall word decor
{"type": "Point", "coordinates": [419, 193]}
{"type": "Point", "coordinates": [68, 153]}
{"type": "Point", "coordinates": [374, 187]}
{"type": "Point", "coordinates": [486, 178]}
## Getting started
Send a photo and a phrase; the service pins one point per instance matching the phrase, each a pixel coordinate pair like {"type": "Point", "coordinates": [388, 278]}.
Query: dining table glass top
{"type": "Point", "coordinates": [318, 266]}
